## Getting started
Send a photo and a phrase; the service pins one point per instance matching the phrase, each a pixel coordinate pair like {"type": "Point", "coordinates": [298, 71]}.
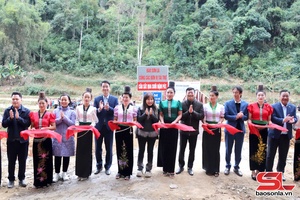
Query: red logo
{"type": "Point", "coordinates": [272, 181]}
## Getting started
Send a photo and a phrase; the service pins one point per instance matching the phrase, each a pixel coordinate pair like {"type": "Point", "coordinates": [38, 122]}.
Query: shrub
{"type": "Point", "coordinates": [38, 78]}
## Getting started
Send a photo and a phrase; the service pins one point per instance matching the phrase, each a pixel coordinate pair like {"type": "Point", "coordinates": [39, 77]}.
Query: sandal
{"type": "Point", "coordinates": [127, 178]}
{"type": "Point", "coordinates": [216, 174]}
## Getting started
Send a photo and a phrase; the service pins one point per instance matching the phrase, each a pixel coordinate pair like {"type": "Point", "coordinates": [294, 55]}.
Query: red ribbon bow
{"type": "Point", "coordinates": [40, 133]}
{"type": "Point", "coordinates": [115, 125]}
{"type": "Point", "coordinates": [182, 127]}
{"type": "Point", "coordinates": [75, 129]}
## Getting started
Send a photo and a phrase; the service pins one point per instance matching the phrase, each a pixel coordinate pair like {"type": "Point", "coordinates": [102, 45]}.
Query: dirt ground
{"type": "Point", "coordinates": [182, 186]}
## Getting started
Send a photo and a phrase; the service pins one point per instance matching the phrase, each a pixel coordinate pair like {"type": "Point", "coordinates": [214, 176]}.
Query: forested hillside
{"type": "Point", "coordinates": [255, 40]}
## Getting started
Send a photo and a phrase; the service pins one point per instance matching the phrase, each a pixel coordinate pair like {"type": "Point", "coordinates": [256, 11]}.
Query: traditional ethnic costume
{"type": "Point", "coordinates": [211, 143]}
{"type": "Point", "coordinates": [168, 138]}
{"type": "Point", "coordinates": [42, 150]}
{"type": "Point", "coordinates": [258, 144]}
{"type": "Point", "coordinates": [84, 161]}
{"type": "Point", "coordinates": [67, 147]}
{"type": "Point", "coordinates": [124, 139]}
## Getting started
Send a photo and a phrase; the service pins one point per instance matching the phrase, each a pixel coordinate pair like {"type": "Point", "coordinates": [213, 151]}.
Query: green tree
{"type": "Point", "coordinates": [20, 25]}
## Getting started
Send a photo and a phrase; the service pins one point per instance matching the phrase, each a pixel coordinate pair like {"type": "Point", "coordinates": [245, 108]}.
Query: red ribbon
{"type": "Point", "coordinates": [232, 130]}
{"type": "Point", "coordinates": [182, 127]}
{"type": "Point", "coordinates": [40, 133]}
{"type": "Point", "coordinates": [3, 134]}
{"type": "Point", "coordinates": [113, 125]}
{"type": "Point", "coordinates": [297, 136]}
{"type": "Point", "coordinates": [75, 129]}
{"type": "Point", "coordinates": [253, 128]}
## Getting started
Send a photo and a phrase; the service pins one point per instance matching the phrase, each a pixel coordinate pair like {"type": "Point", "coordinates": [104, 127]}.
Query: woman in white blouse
{"type": "Point", "coordinates": [85, 115]}
{"type": "Point", "coordinates": [213, 114]}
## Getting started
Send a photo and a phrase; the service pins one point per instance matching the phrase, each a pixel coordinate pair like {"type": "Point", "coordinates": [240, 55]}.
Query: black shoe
{"type": "Point", "coordinates": [107, 171]}
{"type": "Point", "coordinates": [238, 172]}
{"type": "Point", "coordinates": [22, 183]}
{"type": "Point", "coordinates": [253, 177]}
{"type": "Point", "coordinates": [179, 170]}
{"type": "Point", "coordinates": [98, 170]}
{"type": "Point", "coordinates": [227, 171]}
{"type": "Point", "coordinates": [190, 171]}
{"type": "Point", "coordinates": [11, 184]}
{"type": "Point", "coordinates": [209, 174]}
{"type": "Point", "coordinates": [283, 178]}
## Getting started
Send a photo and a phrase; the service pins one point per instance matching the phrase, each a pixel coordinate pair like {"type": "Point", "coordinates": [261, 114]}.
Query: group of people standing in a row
{"type": "Point", "coordinates": [190, 112]}
{"type": "Point", "coordinates": [263, 141]}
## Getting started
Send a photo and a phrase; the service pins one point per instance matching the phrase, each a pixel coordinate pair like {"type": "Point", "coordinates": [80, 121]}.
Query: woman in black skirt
{"type": "Point", "coordinates": [213, 114]}
{"type": "Point", "coordinates": [170, 111]}
{"type": "Point", "coordinates": [125, 112]}
{"type": "Point", "coordinates": [259, 113]}
{"type": "Point", "coordinates": [85, 115]}
{"type": "Point", "coordinates": [42, 147]}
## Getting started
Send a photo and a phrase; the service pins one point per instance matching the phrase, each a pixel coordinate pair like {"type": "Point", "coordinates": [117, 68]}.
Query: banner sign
{"type": "Point", "coordinates": [151, 78]}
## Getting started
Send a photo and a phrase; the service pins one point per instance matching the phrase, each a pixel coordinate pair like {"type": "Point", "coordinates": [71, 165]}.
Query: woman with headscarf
{"type": "Point", "coordinates": [42, 147]}
{"type": "Point", "coordinates": [259, 113]}
{"type": "Point", "coordinates": [125, 112]}
{"type": "Point", "coordinates": [170, 111]}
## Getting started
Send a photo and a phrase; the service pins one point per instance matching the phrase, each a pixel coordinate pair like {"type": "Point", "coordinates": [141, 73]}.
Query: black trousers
{"type": "Point", "coordinates": [283, 144]}
{"type": "Point", "coordinates": [192, 139]}
{"type": "Point", "coordinates": [57, 163]}
{"type": "Point", "coordinates": [150, 141]}
{"type": "Point", "coordinates": [15, 150]}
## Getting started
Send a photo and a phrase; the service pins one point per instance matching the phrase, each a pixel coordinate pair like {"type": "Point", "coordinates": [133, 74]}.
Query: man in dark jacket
{"type": "Point", "coordinates": [235, 113]}
{"type": "Point", "coordinates": [16, 119]}
{"type": "Point", "coordinates": [284, 114]}
{"type": "Point", "coordinates": [193, 112]}
{"type": "Point", "coordinates": [105, 105]}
